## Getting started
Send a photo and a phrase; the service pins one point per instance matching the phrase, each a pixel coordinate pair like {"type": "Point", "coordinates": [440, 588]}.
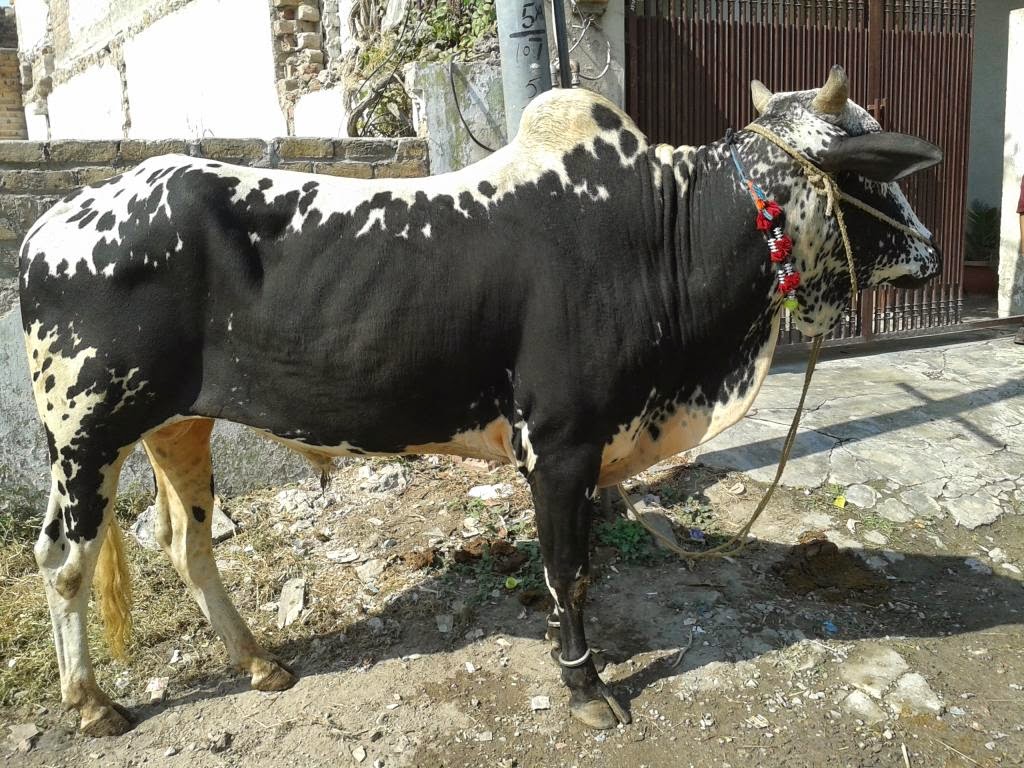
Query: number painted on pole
{"type": "Point", "coordinates": [533, 86]}
{"type": "Point", "coordinates": [531, 13]}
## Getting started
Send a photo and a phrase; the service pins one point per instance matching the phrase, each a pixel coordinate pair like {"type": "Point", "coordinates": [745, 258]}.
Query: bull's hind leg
{"type": "Point", "coordinates": [180, 455]}
{"type": "Point", "coordinates": [79, 517]}
{"type": "Point", "coordinates": [563, 484]}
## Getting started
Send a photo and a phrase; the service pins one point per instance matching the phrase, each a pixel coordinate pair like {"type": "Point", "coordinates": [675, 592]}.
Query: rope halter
{"type": "Point", "coordinates": [825, 185]}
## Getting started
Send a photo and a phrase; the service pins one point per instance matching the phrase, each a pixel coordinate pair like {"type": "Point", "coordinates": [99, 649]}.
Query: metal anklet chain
{"type": "Point", "coordinates": [573, 664]}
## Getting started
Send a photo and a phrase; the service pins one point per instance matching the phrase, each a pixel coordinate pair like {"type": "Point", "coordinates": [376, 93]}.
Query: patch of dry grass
{"type": "Point", "coordinates": [26, 647]}
{"type": "Point", "coordinates": [28, 666]}
{"type": "Point", "coordinates": [254, 565]}
{"type": "Point", "coordinates": [26, 644]}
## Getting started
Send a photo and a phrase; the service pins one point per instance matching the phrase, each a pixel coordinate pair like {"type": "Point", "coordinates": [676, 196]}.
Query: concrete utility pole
{"type": "Point", "coordinates": [525, 60]}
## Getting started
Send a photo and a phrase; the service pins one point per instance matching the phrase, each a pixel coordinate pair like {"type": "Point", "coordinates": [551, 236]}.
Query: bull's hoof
{"type": "Point", "coordinates": [108, 720]}
{"type": "Point", "coordinates": [601, 712]}
{"type": "Point", "coordinates": [594, 714]}
{"type": "Point", "coordinates": [269, 675]}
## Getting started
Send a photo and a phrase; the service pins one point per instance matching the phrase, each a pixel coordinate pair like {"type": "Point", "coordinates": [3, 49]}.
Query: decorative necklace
{"type": "Point", "coordinates": [771, 222]}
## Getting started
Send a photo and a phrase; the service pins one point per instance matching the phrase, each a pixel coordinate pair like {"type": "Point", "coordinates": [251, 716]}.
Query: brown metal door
{"type": "Point", "coordinates": [925, 88]}
{"type": "Point", "coordinates": [690, 62]}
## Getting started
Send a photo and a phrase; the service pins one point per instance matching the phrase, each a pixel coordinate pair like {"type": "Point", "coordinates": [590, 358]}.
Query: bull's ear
{"type": "Point", "coordinates": [881, 156]}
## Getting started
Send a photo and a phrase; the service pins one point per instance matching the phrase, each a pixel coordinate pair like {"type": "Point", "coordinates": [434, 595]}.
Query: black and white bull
{"type": "Point", "coordinates": [579, 303]}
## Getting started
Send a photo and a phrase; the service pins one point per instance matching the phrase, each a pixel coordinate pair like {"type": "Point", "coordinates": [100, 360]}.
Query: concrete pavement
{"type": "Point", "coordinates": [927, 432]}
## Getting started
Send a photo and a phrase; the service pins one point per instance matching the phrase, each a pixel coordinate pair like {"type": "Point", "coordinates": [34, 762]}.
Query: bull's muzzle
{"type": "Point", "coordinates": [928, 270]}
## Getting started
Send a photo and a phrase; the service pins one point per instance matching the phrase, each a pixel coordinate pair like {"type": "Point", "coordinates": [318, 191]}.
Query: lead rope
{"type": "Point", "coordinates": [739, 540]}
{"type": "Point", "coordinates": [823, 184]}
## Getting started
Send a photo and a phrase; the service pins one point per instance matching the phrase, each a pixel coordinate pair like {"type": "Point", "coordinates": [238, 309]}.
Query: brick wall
{"type": "Point", "coordinates": [12, 115]}
{"type": "Point", "coordinates": [34, 175]}
{"type": "Point", "coordinates": [8, 28]}
{"type": "Point", "coordinates": [298, 51]}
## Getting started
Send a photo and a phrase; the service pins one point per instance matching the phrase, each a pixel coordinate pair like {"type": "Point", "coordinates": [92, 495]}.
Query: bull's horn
{"type": "Point", "coordinates": [760, 95]}
{"type": "Point", "coordinates": [832, 97]}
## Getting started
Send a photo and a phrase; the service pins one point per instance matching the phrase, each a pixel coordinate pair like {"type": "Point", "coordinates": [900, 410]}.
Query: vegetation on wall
{"type": "Point", "coordinates": [430, 30]}
{"type": "Point", "coordinates": [459, 25]}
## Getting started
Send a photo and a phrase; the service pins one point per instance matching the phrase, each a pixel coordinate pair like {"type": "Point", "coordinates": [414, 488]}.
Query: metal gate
{"type": "Point", "coordinates": [689, 66]}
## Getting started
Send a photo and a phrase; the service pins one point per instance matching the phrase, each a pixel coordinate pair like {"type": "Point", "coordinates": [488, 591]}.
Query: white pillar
{"type": "Point", "coordinates": [1011, 263]}
{"type": "Point", "coordinates": [988, 100]}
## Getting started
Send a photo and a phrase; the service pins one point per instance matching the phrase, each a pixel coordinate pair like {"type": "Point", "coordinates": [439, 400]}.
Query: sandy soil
{"type": "Point", "coordinates": [787, 664]}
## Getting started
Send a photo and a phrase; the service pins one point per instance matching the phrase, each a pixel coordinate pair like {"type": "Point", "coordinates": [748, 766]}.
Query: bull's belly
{"type": "Point", "coordinates": [633, 449]}
{"type": "Point", "coordinates": [492, 442]}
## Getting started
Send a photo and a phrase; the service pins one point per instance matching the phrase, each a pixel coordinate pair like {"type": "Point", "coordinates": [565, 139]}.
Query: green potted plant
{"type": "Point", "coordinates": [981, 249]}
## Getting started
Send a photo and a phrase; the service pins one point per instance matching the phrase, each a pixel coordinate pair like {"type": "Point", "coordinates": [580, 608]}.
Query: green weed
{"type": "Point", "coordinates": [488, 581]}
{"type": "Point", "coordinates": [880, 524]}
{"type": "Point", "coordinates": [628, 537]}
{"type": "Point", "coordinates": [435, 30]}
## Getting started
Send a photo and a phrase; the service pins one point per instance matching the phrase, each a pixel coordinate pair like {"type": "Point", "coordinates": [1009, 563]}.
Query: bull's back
{"type": "Point", "coordinates": [329, 310]}
{"type": "Point", "coordinates": [379, 314]}
{"type": "Point", "coordinates": [379, 320]}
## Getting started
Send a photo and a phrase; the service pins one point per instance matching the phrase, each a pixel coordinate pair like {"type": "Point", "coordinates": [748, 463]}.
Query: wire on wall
{"type": "Point", "coordinates": [580, 24]}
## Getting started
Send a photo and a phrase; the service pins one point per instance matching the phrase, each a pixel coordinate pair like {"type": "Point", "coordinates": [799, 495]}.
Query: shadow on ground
{"type": "Point", "coordinates": [741, 609]}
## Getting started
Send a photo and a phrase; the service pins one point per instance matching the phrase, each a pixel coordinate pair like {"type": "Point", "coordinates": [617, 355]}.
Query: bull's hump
{"type": "Point", "coordinates": [560, 120]}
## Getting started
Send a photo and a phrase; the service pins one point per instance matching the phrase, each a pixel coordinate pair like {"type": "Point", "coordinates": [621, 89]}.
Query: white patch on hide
{"type": "Point", "coordinates": [376, 216]}
{"type": "Point", "coordinates": [554, 595]}
{"type": "Point", "coordinates": [62, 408]}
{"type": "Point", "coordinates": [530, 456]}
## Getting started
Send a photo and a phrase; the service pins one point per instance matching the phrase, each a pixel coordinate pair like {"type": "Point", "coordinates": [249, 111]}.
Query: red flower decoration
{"type": "Point", "coordinates": [780, 248]}
{"type": "Point", "coordinates": [789, 282]}
{"type": "Point", "coordinates": [767, 211]}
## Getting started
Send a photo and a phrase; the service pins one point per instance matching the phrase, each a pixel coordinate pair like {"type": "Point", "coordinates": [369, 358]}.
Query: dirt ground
{"type": "Point", "coordinates": [419, 646]}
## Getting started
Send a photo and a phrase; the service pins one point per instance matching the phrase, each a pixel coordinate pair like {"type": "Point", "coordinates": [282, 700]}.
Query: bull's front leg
{"type": "Point", "coordinates": [563, 488]}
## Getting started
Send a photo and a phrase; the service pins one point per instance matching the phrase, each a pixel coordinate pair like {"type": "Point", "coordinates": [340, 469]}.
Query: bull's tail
{"type": "Point", "coordinates": [114, 588]}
